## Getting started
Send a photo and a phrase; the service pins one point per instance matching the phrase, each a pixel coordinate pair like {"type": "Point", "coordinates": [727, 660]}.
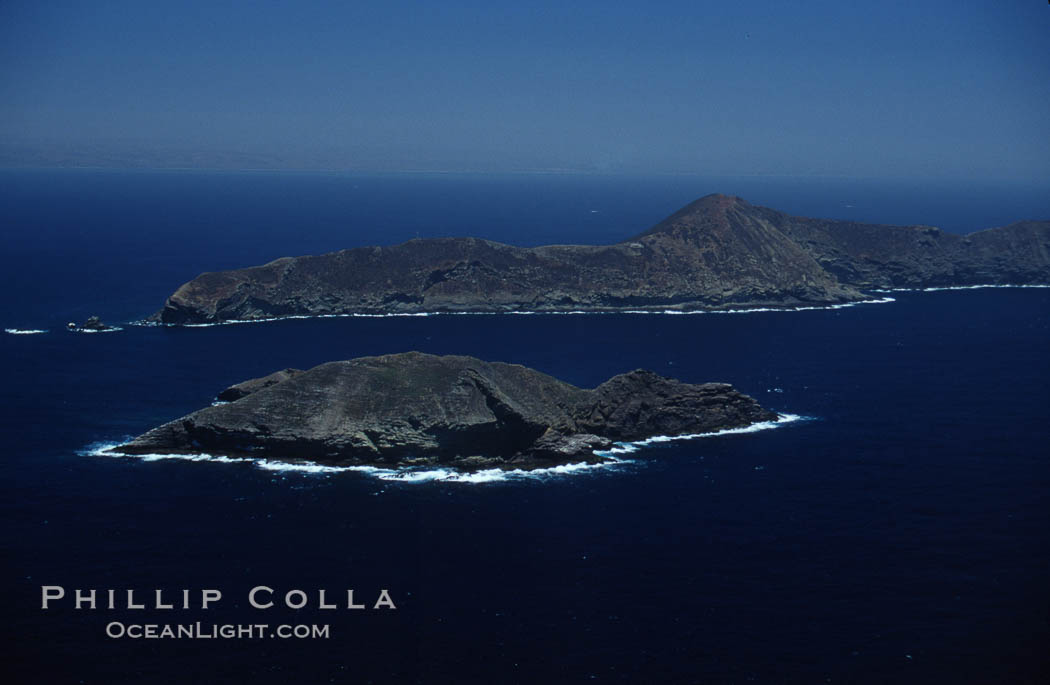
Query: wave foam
{"type": "Point", "coordinates": [270, 319]}
{"type": "Point", "coordinates": [24, 331]}
{"type": "Point", "coordinates": [635, 445]}
{"type": "Point", "coordinates": [807, 308]}
{"type": "Point", "coordinates": [495, 475]}
{"type": "Point", "coordinates": [111, 329]}
{"type": "Point", "coordinates": [108, 449]}
{"type": "Point", "coordinates": [956, 287]}
{"type": "Point", "coordinates": [402, 475]}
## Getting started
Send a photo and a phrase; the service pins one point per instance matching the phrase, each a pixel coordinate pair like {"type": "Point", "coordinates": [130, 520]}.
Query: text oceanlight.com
{"type": "Point", "coordinates": [205, 631]}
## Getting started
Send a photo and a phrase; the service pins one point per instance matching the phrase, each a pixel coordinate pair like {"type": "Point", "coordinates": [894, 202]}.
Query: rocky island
{"type": "Point", "coordinates": [414, 409]}
{"type": "Point", "coordinates": [718, 252]}
{"type": "Point", "coordinates": [93, 325]}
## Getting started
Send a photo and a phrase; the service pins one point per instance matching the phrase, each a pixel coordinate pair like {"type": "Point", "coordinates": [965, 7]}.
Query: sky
{"type": "Point", "coordinates": [880, 89]}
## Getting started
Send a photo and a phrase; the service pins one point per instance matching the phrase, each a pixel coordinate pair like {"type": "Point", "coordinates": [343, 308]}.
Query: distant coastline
{"type": "Point", "coordinates": [718, 253]}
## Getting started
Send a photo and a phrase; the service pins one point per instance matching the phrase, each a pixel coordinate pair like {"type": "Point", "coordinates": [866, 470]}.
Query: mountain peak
{"type": "Point", "coordinates": [711, 210]}
{"type": "Point", "coordinates": [715, 202]}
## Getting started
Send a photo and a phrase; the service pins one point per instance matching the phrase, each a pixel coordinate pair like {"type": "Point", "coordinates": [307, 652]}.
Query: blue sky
{"type": "Point", "coordinates": [880, 89]}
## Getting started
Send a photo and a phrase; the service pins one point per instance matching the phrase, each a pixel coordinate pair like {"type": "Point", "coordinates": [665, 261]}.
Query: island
{"type": "Point", "coordinates": [719, 252]}
{"type": "Point", "coordinates": [93, 325]}
{"type": "Point", "coordinates": [415, 409]}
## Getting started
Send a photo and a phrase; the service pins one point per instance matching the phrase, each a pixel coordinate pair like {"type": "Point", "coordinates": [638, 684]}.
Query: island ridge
{"type": "Point", "coordinates": [716, 253]}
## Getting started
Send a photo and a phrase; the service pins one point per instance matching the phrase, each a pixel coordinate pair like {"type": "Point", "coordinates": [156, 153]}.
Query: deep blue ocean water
{"type": "Point", "coordinates": [897, 534]}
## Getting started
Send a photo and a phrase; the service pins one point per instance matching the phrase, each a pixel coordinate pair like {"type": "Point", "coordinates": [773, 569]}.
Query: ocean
{"type": "Point", "coordinates": [895, 532]}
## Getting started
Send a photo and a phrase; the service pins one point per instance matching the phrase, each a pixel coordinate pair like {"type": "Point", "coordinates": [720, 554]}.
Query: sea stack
{"type": "Point", "coordinates": [93, 325]}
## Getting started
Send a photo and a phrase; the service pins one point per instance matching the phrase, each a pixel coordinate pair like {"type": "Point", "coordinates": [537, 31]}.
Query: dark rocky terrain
{"type": "Point", "coordinates": [92, 325]}
{"type": "Point", "coordinates": [245, 388]}
{"type": "Point", "coordinates": [869, 256]}
{"type": "Point", "coordinates": [717, 252]}
{"type": "Point", "coordinates": [421, 409]}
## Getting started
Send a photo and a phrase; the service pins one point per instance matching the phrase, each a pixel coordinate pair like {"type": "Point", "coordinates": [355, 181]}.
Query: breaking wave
{"type": "Point", "coordinates": [24, 331]}
{"type": "Point", "coordinates": [611, 459]}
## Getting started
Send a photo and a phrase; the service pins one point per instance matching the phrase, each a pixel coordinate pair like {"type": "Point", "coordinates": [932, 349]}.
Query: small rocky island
{"type": "Point", "coordinates": [716, 253]}
{"type": "Point", "coordinates": [93, 325]}
{"type": "Point", "coordinates": [414, 409]}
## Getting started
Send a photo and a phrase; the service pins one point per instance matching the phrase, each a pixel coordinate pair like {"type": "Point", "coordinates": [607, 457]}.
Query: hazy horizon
{"type": "Point", "coordinates": [884, 90]}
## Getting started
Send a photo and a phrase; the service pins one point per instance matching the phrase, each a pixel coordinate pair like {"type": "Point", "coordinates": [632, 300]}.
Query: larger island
{"type": "Point", "coordinates": [415, 409]}
{"type": "Point", "coordinates": [716, 253]}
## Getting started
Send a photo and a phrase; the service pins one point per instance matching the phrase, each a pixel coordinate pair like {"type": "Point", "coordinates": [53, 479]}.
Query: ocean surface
{"type": "Point", "coordinates": [896, 532]}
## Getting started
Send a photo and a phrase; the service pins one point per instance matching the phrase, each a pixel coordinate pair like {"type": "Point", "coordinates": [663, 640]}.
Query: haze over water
{"type": "Point", "coordinates": [933, 90]}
